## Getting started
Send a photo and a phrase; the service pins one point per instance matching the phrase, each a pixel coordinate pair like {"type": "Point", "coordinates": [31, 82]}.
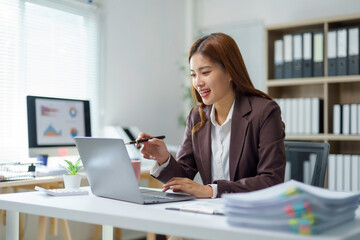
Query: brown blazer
{"type": "Point", "coordinates": [257, 153]}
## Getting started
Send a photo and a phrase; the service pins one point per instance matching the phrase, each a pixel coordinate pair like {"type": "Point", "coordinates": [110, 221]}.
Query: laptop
{"type": "Point", "coordinates": [110, 173]}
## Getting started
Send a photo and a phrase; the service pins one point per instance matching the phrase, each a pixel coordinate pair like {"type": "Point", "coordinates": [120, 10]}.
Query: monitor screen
{"type": "Point", "coordinates": [54, 122]}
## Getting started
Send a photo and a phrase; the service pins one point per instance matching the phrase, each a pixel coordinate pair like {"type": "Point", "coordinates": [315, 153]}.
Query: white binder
{"type": "Point", "coordinates": [332, 172]}
{"type": "Point", "coordinates": [331, 52]}
{"type": "Point", "coordinates": [342, 48]}
{"type": "Point", "coordinates": [347, 173]}
{"type": "Point", "coordinates": [341, 43]}
{"type": "Point", "coordinates": [337, 119]}
{"type": "Point", "coordinates": [331, 47]}
{"type": "Point", "coordinates": [355, 185]}
{"type": "Point", "coordinates": [339, 172]}
{"type": "Point", "coordinates": [353, 41]}
{"type": "Point", "coordinates": [354, 119]}
{"type": "Point", "coordinates": [307, 115]}
{"type": "Point", "coordinates": [279, 55]}
{"type": "Point", "coordinates": [346, 119]}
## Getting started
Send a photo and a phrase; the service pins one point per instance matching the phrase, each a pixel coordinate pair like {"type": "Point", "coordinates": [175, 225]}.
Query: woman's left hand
{"type": "Point", "coordinates": [178, 184]}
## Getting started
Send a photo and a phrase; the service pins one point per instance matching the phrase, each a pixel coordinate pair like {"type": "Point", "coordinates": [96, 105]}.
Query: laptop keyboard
{"type": "Point", "coordinates": [151, 198]}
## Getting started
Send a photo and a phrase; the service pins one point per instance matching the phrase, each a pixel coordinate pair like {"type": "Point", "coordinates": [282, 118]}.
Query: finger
{"type": "Point", "coordinates": [170, 182]}
{"type": "Point", "coordinates": [156, 141]}
{"type": "Point", "coordinates": [143, 135]}
{"type": "Point", "coordinates": [177, 188]}
{"type": "Point", "coordinates": [174, 182]}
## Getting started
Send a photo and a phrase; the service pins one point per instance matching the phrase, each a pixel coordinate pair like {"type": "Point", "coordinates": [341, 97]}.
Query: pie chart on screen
{"type": "Point", "coordinates": [72, 112]}
{"type": "Point", "coordinates": [74, 132]}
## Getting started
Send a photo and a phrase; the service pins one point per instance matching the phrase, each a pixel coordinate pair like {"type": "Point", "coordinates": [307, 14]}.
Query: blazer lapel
{"type": "Point", "coordinates": [204, 143]}
{"type": "Point", "coordinates": [239, 126]}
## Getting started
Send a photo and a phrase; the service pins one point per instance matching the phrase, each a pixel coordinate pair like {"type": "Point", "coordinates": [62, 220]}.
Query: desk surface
{"type": "Point", "coordinates": [145, 169]}
{"type": "Point", "coordinates": [152, 218]}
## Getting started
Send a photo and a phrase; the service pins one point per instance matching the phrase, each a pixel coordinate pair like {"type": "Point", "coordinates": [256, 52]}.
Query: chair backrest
{"type": "Point", "coordinates": [306, 162]}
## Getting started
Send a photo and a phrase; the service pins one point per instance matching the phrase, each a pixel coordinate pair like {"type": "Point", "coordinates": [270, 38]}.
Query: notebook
{"type": "Point", "coordinates": [110, 173]}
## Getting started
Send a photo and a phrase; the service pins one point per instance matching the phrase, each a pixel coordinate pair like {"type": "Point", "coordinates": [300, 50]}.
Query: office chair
{"type": "Point", "coordinates": [306, 162]}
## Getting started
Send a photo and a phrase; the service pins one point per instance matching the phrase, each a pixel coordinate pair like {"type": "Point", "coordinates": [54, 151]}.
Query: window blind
{"type": "Point", "coordinates": [47, 48]}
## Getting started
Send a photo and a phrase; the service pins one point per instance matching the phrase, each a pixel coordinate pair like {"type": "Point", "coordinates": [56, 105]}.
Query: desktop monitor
{"type": "Point", "coordinates": [54, 122]}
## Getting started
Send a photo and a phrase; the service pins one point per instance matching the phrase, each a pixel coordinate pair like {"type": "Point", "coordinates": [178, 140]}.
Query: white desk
{"type": "Point", "coordinates": [147, 218]}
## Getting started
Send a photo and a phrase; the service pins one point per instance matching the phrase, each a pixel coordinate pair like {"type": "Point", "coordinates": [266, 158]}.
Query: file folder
{"type": "Point", "coordinates": [308, 116]}
{"type": "Point", "coordinates": [332, 172]}
{"type": "Point", "coordinates": [318, 54]}
{"type": "Point", "coordinates": [278, 59]}
{"type": "Point", "coordinates": [354, 61]}
{"type": "Point", "coordinates": [354, 119]}
{"type": "Point", "coordinates": [288, 56]}
{"type": "Point", "coordinates": [317, 116]}
{"type": "Point", "coordinates": [347, 173]}
{"type": "Point", "coordinates": [308, 54]}
{"type": "Point", "coordinates": [298, 56]}
{"type": "Point", "coordinates": [337, 119]}
{"type": "Point", "coordinates": [339, 172]}
{"type": "Point", "coordinates": [355, 173]}
{"type": "Point", "coordinates": [346, 119]}
{"type": "Point", "coordinates": [341, 61]}
{"type": "Point", "coordinates": [331, 52]}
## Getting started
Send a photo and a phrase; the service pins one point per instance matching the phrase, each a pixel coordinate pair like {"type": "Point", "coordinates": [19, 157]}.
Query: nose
{"type": "Point", "coordinates": [197, 82]}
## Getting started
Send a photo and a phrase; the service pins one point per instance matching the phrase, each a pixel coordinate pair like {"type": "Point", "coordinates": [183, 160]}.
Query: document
{"type": "Point", "coordinates": [291, 206]}
{"type": "Point", "coordinates": [204, 206]}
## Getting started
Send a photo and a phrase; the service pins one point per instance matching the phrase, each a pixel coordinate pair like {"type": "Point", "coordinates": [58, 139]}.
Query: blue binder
{"type": "Point", "coordinates": [342, 49]}
{"type": "Point", "coordinates": [318, 56]}
{"type": "Point", "coordinates": [331, 52]}
{"type": "Point", "coordinates": [308, 54]}
{"type": "Point", "coordinates": [353, 54]}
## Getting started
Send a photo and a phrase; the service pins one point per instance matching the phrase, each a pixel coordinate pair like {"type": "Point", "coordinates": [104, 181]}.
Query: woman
{"type": "Point", "coordinates": [234, 135]}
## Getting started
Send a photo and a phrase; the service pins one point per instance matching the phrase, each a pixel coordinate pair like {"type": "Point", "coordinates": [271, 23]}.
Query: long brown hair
{"type": "Point", "coordinates": [222, 49]}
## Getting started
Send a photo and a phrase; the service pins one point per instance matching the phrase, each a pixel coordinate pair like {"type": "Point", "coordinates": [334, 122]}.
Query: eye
{"type": "Point", "coordinates": [206, 73]}
{"type": "Point", "coordinates": [192, 75]}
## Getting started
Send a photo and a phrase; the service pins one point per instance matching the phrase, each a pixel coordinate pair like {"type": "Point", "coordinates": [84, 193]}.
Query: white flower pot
{"type": "Point", "coordinates": [72, 181]}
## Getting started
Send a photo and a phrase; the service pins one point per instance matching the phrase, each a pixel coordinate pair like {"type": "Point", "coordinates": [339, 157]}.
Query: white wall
{"type": "Point", "coordinates": [213, 12]}
{"type": "Point", "coordinates": [143, 42]}
{"type": "Point", "coordinates": [240, 18]}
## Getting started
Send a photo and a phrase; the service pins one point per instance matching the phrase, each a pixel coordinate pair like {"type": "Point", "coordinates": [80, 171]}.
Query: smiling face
{"type": "Point", "coordinates": [211, 81]}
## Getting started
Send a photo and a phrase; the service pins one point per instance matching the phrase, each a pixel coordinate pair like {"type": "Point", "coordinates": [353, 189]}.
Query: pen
{"type": "Point", "coordinates": [197, 210]}
{"type": "Point", "coordinates": [144, 140]}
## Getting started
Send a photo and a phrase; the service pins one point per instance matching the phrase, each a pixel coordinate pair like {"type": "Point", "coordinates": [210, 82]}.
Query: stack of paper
{"type": "Point", "coordinates": [291, 206]}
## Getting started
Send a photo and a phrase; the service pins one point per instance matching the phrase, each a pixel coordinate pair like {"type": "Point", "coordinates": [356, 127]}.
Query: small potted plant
{"type": "Point", "coordinates": [72, 179]}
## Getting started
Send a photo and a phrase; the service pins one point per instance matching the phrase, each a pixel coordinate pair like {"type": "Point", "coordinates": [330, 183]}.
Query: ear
{"type": "Point", "coordinates": [228, 77]}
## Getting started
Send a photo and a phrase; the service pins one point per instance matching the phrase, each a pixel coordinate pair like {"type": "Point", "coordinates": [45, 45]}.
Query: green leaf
{"type": "Point", "coordinates": [72, 168]}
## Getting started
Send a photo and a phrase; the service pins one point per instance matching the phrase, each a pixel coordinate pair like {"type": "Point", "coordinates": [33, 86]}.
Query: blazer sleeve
{"type": "Point", "coordinates": [270, 150]}
{"type": "Point", "coordinates": [185, 166]}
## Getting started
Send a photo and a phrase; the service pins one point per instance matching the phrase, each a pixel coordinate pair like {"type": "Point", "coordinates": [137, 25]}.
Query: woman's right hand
{"type": "Point", "coordinates": [154, 149]}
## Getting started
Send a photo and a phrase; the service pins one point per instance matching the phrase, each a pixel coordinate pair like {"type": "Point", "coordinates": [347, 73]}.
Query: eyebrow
{"type": "Point", "coordinates": [201, 68]}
